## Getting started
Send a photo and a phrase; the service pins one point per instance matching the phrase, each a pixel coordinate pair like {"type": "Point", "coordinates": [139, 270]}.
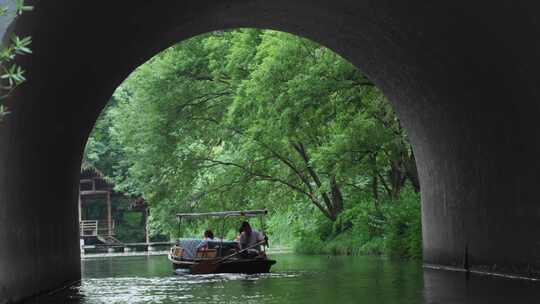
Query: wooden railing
{"type": "Point", "coordinates": [89, 228]}
{"type": "Point", "coordinates": [95, 228]}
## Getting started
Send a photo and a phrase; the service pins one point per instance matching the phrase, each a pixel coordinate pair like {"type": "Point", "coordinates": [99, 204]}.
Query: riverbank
{"type": "Point", "coordinates": [87, 256]}
{"type": "Point", "coordinates": [272, 250]}
{"type": "Point", "coordinates": [389, 228]}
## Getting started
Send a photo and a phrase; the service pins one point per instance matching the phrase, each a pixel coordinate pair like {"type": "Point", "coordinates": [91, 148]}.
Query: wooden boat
{"type": "Point", "coordinates": [218, 256]}
{"type": "Point", "coordinates": [237, 265]}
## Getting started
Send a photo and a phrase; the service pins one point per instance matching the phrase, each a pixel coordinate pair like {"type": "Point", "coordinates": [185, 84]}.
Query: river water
{"type": "Point", "coordinates": [294, 279]}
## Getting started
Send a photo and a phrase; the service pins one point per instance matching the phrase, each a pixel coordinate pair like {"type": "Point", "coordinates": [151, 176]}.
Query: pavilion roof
{"type": "Point", "coordinates": [89, 172]}
{"type": "Point", "coordinates": [104, 183]}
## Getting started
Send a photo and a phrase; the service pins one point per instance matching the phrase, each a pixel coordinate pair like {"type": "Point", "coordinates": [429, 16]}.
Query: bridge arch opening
{"type": "Point", "coordinates": [306, 118]}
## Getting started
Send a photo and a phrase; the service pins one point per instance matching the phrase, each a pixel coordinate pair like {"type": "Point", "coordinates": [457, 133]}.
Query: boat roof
{"type": "Point", "coordinates": [245, 213]}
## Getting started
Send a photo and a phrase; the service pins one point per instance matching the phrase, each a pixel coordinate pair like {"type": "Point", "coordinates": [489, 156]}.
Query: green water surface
{"type": "Point", "coordinates": [294, 279]}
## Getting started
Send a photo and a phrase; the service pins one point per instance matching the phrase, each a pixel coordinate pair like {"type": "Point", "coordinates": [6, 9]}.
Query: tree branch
{"type": "Point", "coordinates": [270, 178]}
{"type": "Point", "coordinates": [299, 147]}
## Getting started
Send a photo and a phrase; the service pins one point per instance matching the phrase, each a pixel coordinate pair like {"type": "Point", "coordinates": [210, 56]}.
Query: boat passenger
{"type": "Point", "coordinates": [250, 237]}
{"type": "Point", "coordinates": [207, 236]}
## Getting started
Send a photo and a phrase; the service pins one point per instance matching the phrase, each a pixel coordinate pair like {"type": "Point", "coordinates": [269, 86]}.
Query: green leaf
{"type": "Point", "coordinates": [21, 7]}
{"type": "Point", "coordinates": [3, 10]}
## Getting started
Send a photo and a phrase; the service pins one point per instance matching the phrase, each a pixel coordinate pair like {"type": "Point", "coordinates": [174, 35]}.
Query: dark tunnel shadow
{"type": "Point", "coordinates": [451, 287]}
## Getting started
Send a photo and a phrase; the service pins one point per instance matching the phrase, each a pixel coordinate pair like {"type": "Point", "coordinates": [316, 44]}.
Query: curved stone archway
{"type": "Point", "coordinates": [462, 77]}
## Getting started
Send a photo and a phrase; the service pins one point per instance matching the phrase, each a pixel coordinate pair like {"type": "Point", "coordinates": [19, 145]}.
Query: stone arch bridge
{"type": "Point", "coordinates": [463, 77]}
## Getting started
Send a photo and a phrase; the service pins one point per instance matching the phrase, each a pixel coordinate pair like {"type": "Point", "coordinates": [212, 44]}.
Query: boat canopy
{"type": "Point", "coordinates": [246, 213]}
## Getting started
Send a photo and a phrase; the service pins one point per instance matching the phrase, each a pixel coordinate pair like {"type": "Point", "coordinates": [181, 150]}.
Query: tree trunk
{"type": "Point", "coordinates": [337, 196]}
{"type": "Point", "coordinates": [396, 177]}
{"type": "Point", "coordinates": [333, 201]}
{"type": "Point", "coordinates": [412, 172]}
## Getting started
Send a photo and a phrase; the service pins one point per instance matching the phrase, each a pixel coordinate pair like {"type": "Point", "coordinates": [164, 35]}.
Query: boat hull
{"type": "Point", "coordinates": [247, 266]}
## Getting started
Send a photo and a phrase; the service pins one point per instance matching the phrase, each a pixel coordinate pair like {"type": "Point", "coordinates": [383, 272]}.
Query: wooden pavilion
{"type": "Point", "coordinates": [94, 187]}
{"type": "Point", "coordinates": [93, 184]}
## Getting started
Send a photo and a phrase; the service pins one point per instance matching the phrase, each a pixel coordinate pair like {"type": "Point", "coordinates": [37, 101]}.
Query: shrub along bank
{"type": "Point", "coordinates": [391, 228]}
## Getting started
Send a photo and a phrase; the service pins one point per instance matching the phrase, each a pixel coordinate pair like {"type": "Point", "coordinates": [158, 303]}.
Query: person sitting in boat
{"type": "Point", "coordinates": [248, 238]}
{"type": "Point", "coordinates": [207, 236]}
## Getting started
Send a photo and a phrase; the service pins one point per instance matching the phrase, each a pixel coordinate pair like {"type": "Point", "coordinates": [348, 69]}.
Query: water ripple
{"type": "Point", "coordinates": [174, 289]}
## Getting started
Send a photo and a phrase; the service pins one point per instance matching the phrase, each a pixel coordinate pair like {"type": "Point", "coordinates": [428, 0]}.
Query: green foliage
{"type": "Point", "coordinates": [404, 227]}
{"type": "Point", "coordinates": [279, 225]}
{"type": "Point", "coordinates": [393, 230]}
{"type": "Point", "coordinates": [20, 7]}
{"type": "Point", "coordinates": [11, 74]}
{"type": "Point", "coordinates": [252, 119]}
{"type": "Point", "coordinates": [102, 150]}
{"type": "Point", "coordinates": [130, 228]}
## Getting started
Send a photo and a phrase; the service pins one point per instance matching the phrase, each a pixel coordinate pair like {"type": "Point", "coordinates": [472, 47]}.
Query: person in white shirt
{"type": "Point", "coordinates": [207, 236]}
{"type": "Point", "coordinates": [250, 237]}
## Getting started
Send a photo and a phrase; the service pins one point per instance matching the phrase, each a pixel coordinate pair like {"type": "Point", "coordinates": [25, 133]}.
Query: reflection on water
{"type": "Point", "coordinates": [295, 279]}
{"type": "Point", "coordinates": [188, 289]}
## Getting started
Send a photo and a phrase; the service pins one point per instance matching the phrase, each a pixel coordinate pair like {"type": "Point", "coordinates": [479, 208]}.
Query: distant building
{"type": "Point", "coordinates": [99, 228]}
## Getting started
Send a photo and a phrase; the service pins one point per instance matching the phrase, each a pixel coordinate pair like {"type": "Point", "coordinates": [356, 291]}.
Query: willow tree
{"type": "Point", "coordinates": [228, 119]}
